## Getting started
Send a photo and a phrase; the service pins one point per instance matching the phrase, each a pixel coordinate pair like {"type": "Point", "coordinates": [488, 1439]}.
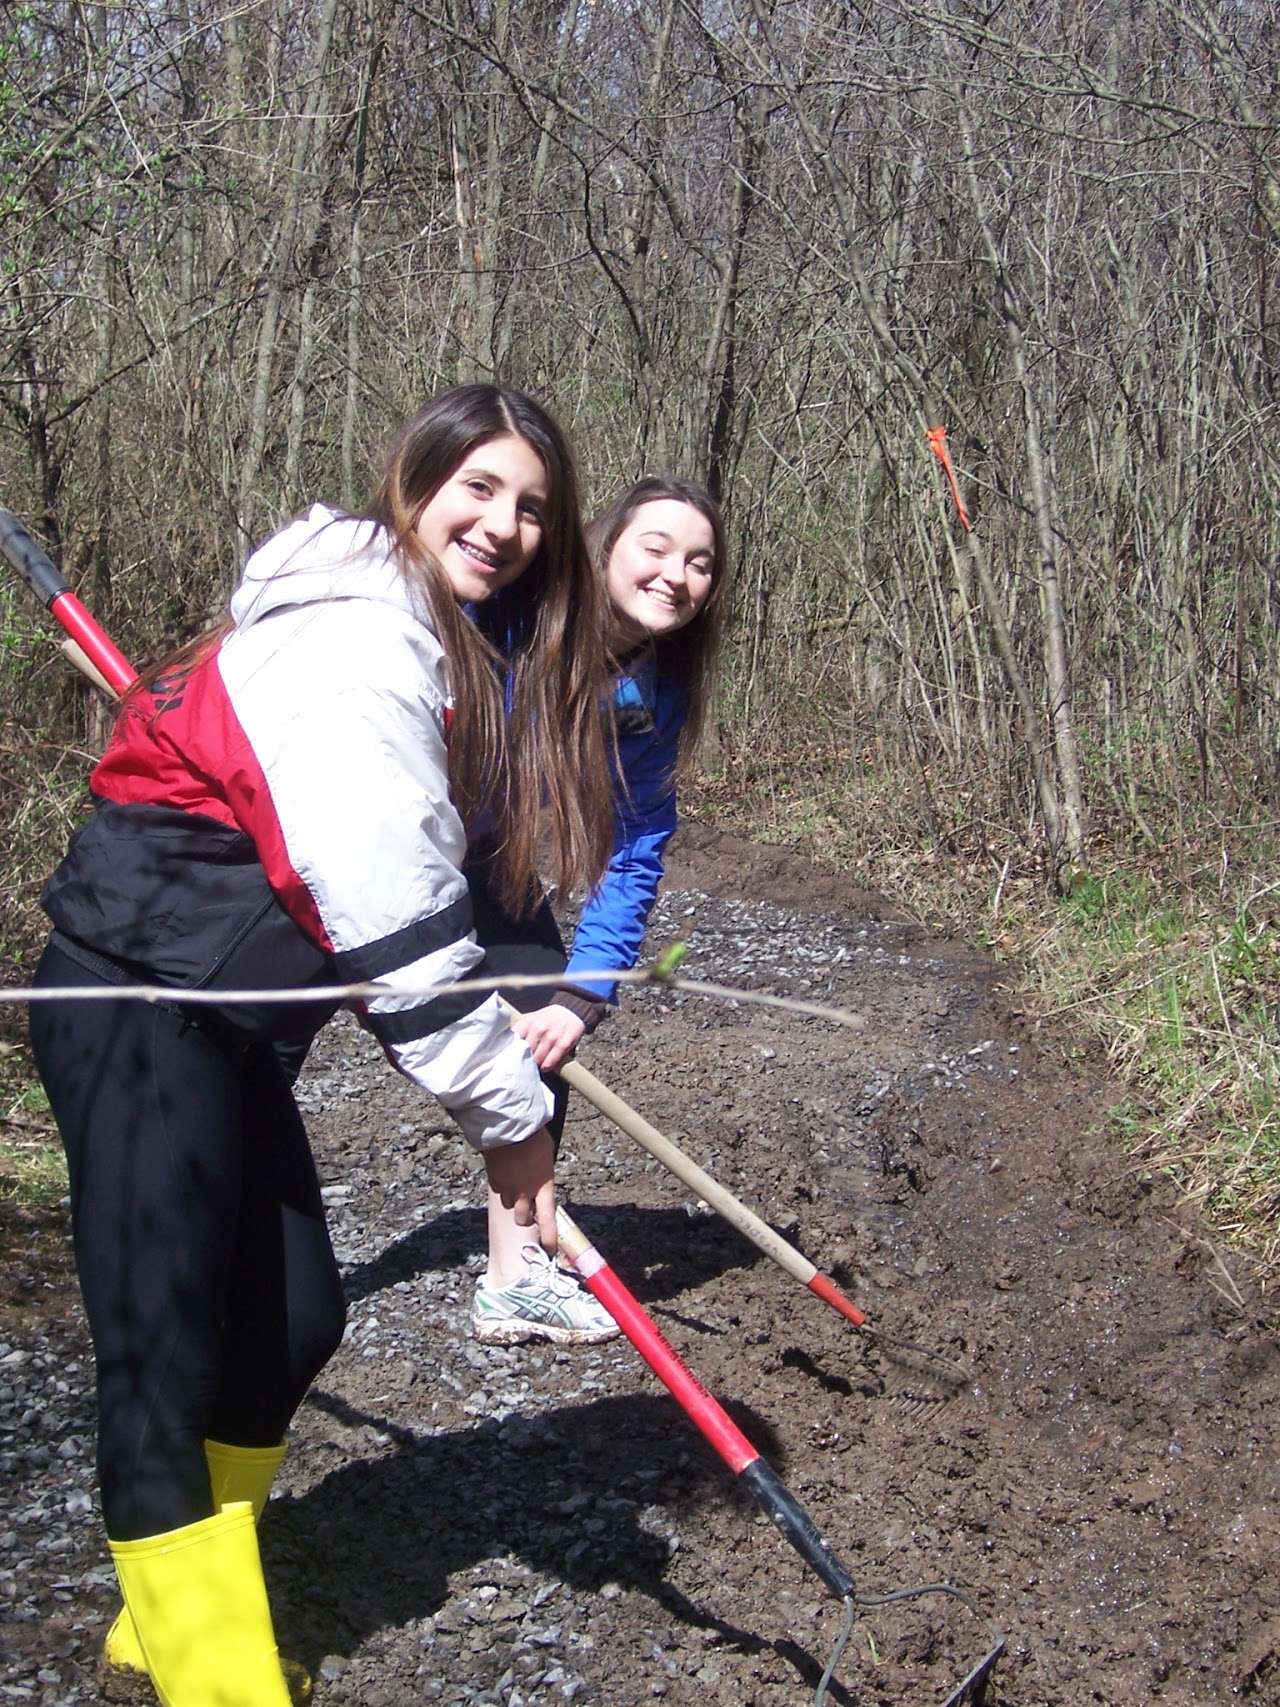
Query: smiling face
{"type": "Point", "coordinates": [660, 571]}
{"type": "Point", "coordinates": [484, 524]}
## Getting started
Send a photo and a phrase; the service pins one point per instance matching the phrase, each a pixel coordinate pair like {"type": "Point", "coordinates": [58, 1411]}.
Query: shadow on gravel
{"type": "Point", "coordinates": [588, 1496]}
{"type": "Point", "coordinates": [658, 1253]}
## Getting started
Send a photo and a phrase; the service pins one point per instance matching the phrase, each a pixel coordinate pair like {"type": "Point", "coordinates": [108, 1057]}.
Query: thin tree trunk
{"type": "Point", "coordinates": [921, 394]}
{"type": "Point", "coordinates": [1069, 842]}
{"type": "Point", "coordinates": [279, 259]}
{"type": "Point", "coordinates": [355, 258]}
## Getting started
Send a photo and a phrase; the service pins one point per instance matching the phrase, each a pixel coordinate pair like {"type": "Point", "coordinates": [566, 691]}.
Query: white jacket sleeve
{"type": "Point", "coordinates": [344, 706]}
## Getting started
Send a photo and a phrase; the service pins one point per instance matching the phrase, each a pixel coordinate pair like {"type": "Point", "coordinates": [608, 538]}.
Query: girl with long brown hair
{"type": "Point", "coordinates": [288, 805]}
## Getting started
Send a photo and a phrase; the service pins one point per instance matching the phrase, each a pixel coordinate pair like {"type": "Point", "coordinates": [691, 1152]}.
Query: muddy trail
{"type": "Point", "coordinates": [456, 1524]}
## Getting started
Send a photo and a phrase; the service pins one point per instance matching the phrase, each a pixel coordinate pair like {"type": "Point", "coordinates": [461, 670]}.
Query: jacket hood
{"type": "Point", "coordinates": [319, 557]}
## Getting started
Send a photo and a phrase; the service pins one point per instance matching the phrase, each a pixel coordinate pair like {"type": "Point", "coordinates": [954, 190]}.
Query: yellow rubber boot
{"type": "Point", "coordinates": [242, 1473]}
{"type": "Point", "coordinates": [199, 1607]}
{"type": "Point", "coordinates": [236, 1473]}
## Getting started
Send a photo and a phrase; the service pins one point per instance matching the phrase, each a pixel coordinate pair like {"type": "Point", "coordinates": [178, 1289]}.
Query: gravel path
{"type": "Point", "coordinates": [482, 1525]}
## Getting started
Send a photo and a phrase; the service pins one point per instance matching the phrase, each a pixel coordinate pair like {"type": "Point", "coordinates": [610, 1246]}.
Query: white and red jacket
{"type": "Point", "coordinates": [280, 816]}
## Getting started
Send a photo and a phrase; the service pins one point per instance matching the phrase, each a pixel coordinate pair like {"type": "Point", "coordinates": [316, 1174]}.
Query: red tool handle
{"type": "Point", "coordinates": [34, 565]}
{"type": "Point", "coordinates": [706, 1413]}
{"type": "Point", "coordinates": [80, 626]}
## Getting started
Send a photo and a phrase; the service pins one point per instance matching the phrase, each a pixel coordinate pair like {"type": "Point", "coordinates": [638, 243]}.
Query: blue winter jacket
{"type": "Point", "coordinates": [650, 712]}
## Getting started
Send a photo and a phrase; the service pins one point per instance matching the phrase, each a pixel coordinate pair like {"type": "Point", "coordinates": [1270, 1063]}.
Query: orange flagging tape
{"type": "Point", "coordinates": [938, 445]}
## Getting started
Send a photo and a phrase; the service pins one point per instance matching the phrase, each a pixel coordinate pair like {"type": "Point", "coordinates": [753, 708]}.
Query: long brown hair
{"type": "Point", "coordinates": [688, 657]}
{"type": "Point", "coordinates": [527, 744]}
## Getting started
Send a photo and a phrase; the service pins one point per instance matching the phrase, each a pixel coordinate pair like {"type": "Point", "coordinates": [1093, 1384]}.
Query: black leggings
{"type": "Point", "coordinates": [210, 1285]}
{"type": "Point", "coordinates": [518, 948]}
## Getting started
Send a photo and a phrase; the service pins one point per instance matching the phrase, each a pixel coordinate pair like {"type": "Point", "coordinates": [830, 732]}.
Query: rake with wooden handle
{"type": "Point", "coordinates": [736, 1213]}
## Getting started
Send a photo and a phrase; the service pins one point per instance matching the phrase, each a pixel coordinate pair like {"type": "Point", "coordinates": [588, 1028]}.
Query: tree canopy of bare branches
{"type": "Point", "coordinates": [766, 243]}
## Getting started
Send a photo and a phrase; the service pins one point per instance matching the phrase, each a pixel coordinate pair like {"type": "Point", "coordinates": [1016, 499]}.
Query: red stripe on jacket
{"type": "Point", "coordinates": [180, 744]}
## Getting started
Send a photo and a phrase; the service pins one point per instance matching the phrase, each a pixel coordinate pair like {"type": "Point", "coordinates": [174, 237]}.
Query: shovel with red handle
{"type": "Point", "coordinates": [108, 667]}
{"type": "Point", "coordinates": [771, 1493]}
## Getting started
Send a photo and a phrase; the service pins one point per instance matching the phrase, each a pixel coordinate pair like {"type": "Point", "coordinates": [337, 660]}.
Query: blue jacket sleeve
{"type": "Point", "coordinates": [611, 929]}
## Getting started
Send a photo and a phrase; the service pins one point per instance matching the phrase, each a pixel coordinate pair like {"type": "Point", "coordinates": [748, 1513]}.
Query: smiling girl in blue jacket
{"type": "Point", "coordinates": [660, 549]}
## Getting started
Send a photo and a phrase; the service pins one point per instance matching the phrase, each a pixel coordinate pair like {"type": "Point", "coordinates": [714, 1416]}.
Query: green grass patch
{"type": "Point", "coordinates": [33, 1170]}
{"type": "Point", "coordinates": [1185, 1000]}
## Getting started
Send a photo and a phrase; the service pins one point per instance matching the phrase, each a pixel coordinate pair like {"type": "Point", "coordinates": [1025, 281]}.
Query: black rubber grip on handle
{"type": "Point", "coordinates": [30, 559]}
{"type": "Point", "coordinates": [799, 1528]}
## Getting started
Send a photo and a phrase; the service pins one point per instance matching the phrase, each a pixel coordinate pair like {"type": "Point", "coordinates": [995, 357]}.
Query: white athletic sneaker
{"type": "Point", "coordinates": [545, 1304]}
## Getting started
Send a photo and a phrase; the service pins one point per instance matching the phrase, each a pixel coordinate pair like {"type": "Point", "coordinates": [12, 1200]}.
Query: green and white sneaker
{"type": "Point", "coordinates": [545, 1304]}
